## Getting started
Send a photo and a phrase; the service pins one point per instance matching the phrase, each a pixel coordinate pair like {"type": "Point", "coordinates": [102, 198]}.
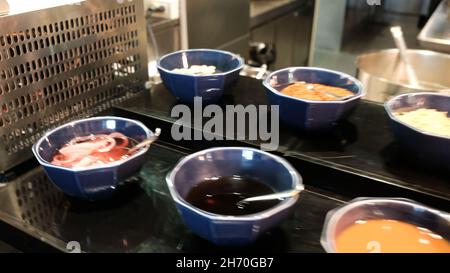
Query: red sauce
{"type": "Point", "coordinates": [94, 150]}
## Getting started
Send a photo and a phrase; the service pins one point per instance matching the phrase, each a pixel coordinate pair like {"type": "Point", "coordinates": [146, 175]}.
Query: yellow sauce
{"type": "Point", "coordinates": [428, 120]}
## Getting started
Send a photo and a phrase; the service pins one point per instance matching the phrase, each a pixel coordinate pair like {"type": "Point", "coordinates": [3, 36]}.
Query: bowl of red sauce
{"type": "Point", "coordinates": [386, 225]}
{"type": "Point", "coordinates": [89, 157]}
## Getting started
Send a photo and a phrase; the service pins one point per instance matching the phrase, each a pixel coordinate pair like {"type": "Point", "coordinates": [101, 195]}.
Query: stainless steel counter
{"type": "Point", "coordinates": [436, 33]}
{"type": "Point", "coordinates": [167, 35]}
{"type": "Point", "coordinates": [263, 11]}
{"type": "Point", "coordinates": [286, 24]}
{"type": "Point", "coordinates": [159, 24]}
{"type": "Point", "coordinates": [219, 24]}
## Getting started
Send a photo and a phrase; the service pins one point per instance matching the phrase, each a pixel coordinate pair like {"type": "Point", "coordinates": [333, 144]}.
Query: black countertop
{"type": "Point", "coordinates": [141, 217]}
{"type": "Point", "coordinates": [361, 146]}
{"type": "Point", "coordinates": [358, 159]}
{"type": "Point", "coordinates": [6, 248]}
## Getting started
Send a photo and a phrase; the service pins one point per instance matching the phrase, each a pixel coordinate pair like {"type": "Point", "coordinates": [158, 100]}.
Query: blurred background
{"type": "Point", "coordinates": [277, 33]}
{"type": "Point", "coordinates": [281, 33]}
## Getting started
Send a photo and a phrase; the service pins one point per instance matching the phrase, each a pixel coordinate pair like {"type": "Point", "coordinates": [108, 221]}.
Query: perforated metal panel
{"type": "Point", "coordinates": [66, 63]}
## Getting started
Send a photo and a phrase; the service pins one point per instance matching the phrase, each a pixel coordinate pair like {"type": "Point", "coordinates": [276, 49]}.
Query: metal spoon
{"type": "Point", "coordinates": [146, 142]}
{"type": "Point", "coordinates": [397, 35]}
{"type": "Point", "coordinates": [336, 97]}
{"type": "Point", "coordinates": [278, 195]}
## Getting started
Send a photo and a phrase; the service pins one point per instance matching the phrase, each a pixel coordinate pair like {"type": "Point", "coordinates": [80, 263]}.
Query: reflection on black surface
{"type": "Point", "coordinates": [398, 160]}
{"type": "Point", "coordinates": [117, 224]}
{"type": "Point", "coordinates": [276, 239]}
{"type": "Point", "coordinates": [142, 217]}
{"type": "Point", "coordinates": [125, 193]}
{"type": "Point", "coordinates": [356, 143]}
{"type": "Point", "coordinates": [343, 134]}
{"type": "Point", "coordinates": [32, 200]}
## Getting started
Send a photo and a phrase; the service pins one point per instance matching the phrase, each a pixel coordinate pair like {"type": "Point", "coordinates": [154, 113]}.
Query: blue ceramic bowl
{"type": "Point", "coordinates": [426, 147]}
{"type": "Point", "coordinates": [400, 209]}
{"type": "Point", "coordinates": [91, 182]}
{"type": "Point", "coordinates": [210, 87]}
{"type": "Point", "coordinates": [217, 162]}
{"type": "Point", "coordinates": [306, 114]}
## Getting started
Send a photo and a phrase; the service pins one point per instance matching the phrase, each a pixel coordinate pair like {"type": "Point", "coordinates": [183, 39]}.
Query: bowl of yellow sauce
{"type": "Point", "coordinates": [420, 124]}
{"type": "Point", "coordinates": [386, 225]}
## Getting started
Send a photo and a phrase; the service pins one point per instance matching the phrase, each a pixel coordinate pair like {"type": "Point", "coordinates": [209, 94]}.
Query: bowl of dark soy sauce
{"type": "Point", "coordinates": [208, 185]}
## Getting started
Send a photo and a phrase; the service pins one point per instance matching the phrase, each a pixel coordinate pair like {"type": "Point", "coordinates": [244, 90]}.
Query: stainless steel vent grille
{"type": "Point", "coordinates": [66, 63]}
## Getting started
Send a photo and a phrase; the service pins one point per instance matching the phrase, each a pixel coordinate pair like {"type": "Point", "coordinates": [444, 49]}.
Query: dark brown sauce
{"type": "Point", "coordinates": [221, 195]}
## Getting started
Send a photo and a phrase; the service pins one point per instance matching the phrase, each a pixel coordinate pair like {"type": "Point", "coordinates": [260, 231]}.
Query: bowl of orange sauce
{"type": "Point", "coordinates": [312, 98]}
{"type": "Point", "coordinates": [386, 225]}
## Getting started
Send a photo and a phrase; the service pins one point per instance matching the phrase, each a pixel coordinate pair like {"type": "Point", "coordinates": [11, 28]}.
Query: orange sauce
{"type": "Point", "coordinates": [389, 236]}
{"type": "Point", "coordinates": [314, 91]}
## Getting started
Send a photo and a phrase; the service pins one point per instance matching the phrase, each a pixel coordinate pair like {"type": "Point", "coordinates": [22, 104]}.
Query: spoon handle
{"type": "Point", "coordinates": [146, 142]}
{"type": "Point", "coordinates": [278, 195]}
{"type": "Point", "coordinates": [337, 97]}
{"type": "Point", "coordinates": [399, 40]}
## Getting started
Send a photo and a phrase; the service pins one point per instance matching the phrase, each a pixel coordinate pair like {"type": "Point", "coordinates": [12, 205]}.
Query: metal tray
{"type": "Point", "coordinates": [436, 33]}
{"type": "Point", "coordinates": [63, 63]}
